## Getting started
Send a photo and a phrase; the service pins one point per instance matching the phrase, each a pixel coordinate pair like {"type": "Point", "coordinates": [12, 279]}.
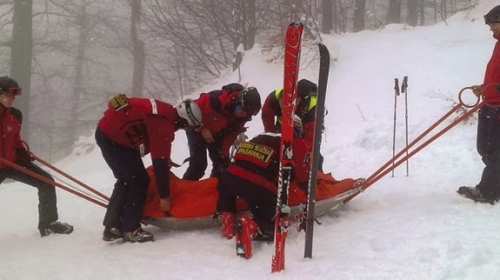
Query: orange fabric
{"type": "Point", "coordinates": [191, 199]}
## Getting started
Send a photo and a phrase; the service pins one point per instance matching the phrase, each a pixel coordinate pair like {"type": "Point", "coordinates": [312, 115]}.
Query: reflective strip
{"type": "Point", "coordinates": [313, 100]}
{"type": "Point", "coordinates": [277, 92]}
{"type": "Point", "coordinates": [154, 109]}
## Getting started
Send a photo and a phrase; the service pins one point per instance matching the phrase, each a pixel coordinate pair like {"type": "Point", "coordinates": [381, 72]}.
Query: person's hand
{"type": "Point", "coordinates": [477, 89]}
{"type": "Point", "coordinates": [165, 204]}
{"type": "Point", "coordinates": [207, 135]}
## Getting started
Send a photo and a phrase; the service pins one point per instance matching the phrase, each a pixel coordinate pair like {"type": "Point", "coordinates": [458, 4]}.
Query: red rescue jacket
{"type": "Point", "coordinates": [306, 111]}
{"type": "Point", "coordinates": [217, 108]}
{"type": "Point", "coordinates": [10, 133]}
{"type": "Point", "coordinates": [257, 161]}
{"type": "Point", "coordinates": [492, 75]}
{"type": "Point", "coordinates": [147, 125]}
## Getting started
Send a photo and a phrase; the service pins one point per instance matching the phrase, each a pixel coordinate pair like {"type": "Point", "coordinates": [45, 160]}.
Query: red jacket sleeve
{"type": "Point", "coordinates": [160, 134]}
{"type": "Point", "coordinates": [231, 135]}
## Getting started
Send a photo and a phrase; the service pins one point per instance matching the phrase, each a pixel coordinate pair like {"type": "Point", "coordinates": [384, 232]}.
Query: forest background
{"type": "Point", "coordinates": [72, 56]}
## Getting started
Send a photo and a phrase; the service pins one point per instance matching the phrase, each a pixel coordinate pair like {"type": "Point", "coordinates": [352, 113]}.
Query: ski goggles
{"type": "Point", "coordinates": [491, 18]}
{"type": "Point", "coordinates": [13, 90]}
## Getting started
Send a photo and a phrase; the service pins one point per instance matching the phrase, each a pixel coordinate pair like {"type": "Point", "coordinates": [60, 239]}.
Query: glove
{"type": "Point", "coordinates": [23, 156]}
{"type": "Point", "coordinates": [498, 87]}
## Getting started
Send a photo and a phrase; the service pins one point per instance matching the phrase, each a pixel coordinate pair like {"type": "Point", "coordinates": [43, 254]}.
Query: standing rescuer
{"type": "Point", "coordinates": [13, 150]}
{"type": "Point", "coordinates": [488, 130]}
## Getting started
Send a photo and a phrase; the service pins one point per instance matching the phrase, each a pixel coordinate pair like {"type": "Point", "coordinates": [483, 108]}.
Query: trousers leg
{"type": "Point", "coordinates": [129, 194]}
{"type": "Point", "coordinates": [226, 201]}
{"type": "Point", "coordinates": [261, 202]}
{"type": "Point", "coordinates": [47, 199]}
{"type": "Point", "coordinates": [198, 156]}
{"type": "Point", "coordinates": [489, 148]}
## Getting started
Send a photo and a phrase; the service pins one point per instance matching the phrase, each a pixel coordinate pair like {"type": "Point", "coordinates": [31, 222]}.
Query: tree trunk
{"type": "Point", "coordinates": [359, 15]}
{"type": "Point", "coordinates": [413, 12]}
{"type": "Point", "coordinates": [21, 57]}
{"type": "Point", "coordinates": [422, 12]}
{"type": "Point", "coordinates": [327, 19]}
{"type": "Point", "coordinates": [394, 13]}
{"type": "Point", "coordinates": [79, 79]}
{"type": "Point", "coordinates": [138, 52]}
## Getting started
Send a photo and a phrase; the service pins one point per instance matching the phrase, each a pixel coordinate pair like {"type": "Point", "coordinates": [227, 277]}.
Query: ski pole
{"type": "Point", "coordinates": [404, 89]}
{"type": "Point", "coordinates": [396, 94]}
{"type": "Point", "coordinates": [382, 171]}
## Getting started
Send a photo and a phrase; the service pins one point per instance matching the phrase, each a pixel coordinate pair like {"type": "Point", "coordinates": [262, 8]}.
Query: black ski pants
{"type": "Point", "coordinates": [47, 200]}
{"type": "Point", "coordinates": [126, 203]}
{"type": "Point", "coordinates": [261, 202]}
{"type": "Point", "coordinates": [488, 146]}
{"type": "Point", "coordinates": [198, 156]}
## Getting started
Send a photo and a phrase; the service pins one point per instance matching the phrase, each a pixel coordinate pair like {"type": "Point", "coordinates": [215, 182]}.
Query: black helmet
{"type": "Point", "coordinates": [8, 84]}
{"type": "Point", "coordinates": [250, 100]}
{"type": "Point", "coordinates": [492, 16]}
{"type": "Point", "coordinates": [306, 88]}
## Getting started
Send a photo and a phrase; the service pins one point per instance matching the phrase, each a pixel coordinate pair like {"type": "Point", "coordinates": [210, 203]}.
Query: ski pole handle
{"type": "Point", "coordinates": [396, 86]}
{"type": "Point", "coordinates": [404, 85]}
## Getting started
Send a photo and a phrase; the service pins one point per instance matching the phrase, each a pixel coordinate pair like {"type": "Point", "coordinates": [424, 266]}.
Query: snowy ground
{"type": "Point", "coordinates": [406, 227]}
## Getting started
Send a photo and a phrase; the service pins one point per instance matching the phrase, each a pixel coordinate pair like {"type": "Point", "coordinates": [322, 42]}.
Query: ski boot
{"type": "Point", "coordinates": [227, 229]}
{"type": "Point", "coordinates": [111, 234]}
{"type": "Point", "coordinates": [56, 227]}
{"type": "Point", "coordinates": [475, 194]}
{"type": "Point", "coordinates": [246, 229]}
{"type": "Point", "coordinates": [139, 235]}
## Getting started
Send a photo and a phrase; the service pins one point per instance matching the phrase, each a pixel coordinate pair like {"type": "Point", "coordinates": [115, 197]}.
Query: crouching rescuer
{"type": "Point", "coordinates": [253, 176]}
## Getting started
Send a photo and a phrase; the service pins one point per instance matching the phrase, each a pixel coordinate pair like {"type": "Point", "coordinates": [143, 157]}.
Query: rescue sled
{"type": "Point", "coordinates": [192, 203]}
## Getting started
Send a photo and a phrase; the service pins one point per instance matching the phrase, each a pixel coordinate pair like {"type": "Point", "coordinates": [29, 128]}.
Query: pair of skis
{"type": "Point", "coordinates": [282, 218]}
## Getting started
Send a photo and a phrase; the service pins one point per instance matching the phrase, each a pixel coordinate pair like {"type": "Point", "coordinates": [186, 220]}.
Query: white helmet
{"type": "Point", "coordinates": [190, 111]}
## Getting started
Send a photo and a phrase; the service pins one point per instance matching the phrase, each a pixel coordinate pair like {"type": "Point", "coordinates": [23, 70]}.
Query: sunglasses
{"type": "Point", "coordinates": [14, 90]}
{"type": "Point", "coordinates": [488, 19]}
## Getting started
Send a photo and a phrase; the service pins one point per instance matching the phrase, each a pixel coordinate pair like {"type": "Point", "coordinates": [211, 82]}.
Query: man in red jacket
{"type": "Point", "coordinates": [253, 176]}
{"type": "Point", "coordinates": [130, 129]}
{"type": "Point", "coordinates": [225, 113]}
{"type": "Point", "coordinates": [305, 109]}
{"type": "Point", "coordinates": [13, 150]}
{"type": "Point", "coordinates": [488, 132]}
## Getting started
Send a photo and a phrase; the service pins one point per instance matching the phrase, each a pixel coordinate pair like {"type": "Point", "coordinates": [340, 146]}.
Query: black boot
{"type": "Point", "coordinates": [476, 195]}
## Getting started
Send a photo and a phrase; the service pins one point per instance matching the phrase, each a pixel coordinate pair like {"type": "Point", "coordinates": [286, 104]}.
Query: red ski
{"type": "Point", "coordinates": [282, 219]}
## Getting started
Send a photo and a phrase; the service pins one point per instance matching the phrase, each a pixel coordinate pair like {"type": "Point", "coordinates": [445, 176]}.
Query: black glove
{"type": "Point", "coordinates": [498, 87]}
{"type": "Point", "coordinates": [23, 156]}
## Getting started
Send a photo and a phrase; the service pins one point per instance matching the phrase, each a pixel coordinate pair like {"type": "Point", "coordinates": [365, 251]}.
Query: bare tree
{"type": "Point", "coordinates": [359, 15]}
{"type": "Point", "coordinates": [197, 39]}
{"type": "Point", "coordinates": [138, 51]}
{"type": "Point", "coordinates": [394, 13]}
{"type": "Point", "coordinates": [21, 56]}
{"type": "Point", "coordinates": [412, 12]}
{"type": "Point", "coordinates": [327, 13]}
